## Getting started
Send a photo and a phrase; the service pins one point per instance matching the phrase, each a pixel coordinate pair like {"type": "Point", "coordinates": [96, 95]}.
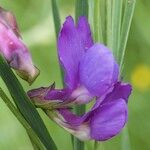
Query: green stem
{"type": "Point", "coordinates": [24, 105]}
{"type": "Point", "coordinates": [109, 23]}
{"type": "Point", "coordinates": [57, 25]}
{"type": "Point", "coordinates": [125, 140]}
{"type": "Point", "coordinates": [98, 145]}
{"type": "Point", "coordinates": [95, 145]}
{"type": "Point", "coordinates": [21, 119]}
{"type": "Point", "coordinates": [97, 22]}
{"type": "Point", "coordinates": [56, 17]}
{"type": "Point", "coordinates": [34, 145]}
{"type": "Point", "coordinates": [116, 25]}
{"type": "Point", "coordinates": [81, 9]}
{"type": "Point", "coordinates": [77, 144]}
{"type": "Point", "coordinates": [127, 18]}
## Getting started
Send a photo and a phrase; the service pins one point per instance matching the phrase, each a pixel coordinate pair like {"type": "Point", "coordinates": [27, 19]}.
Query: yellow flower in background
{"type": "Point", "coordinates": [140, 77]}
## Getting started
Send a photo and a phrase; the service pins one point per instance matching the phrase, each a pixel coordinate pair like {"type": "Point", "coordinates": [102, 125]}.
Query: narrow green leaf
{"type": "Point", "coordinates": [56, 17]}
{"type": "Point", "coordinates": [81, 8]}
{"type": "Point", "coordinates": [109, 23]}
{"type": "Point", "coordinates": [24, 105]}
{"type": "Point", "coordinates": [95, 145]}
{"type": "Point", "coordinates": [116, 24]}
{"type": "Point", "coordinates": [57, 26]}
{"type": "Point", "coordinates": [125, 140]}
{"type": "Point", "coordinates": [98, 145]}
{"type": "Point", "coordinates": [127, 18]}
{"type": "Point", "coordinates": [97, 22]}
{"type": "Point", "coordinates": [21, 119]}
{"type": "Point", "coordinates": [77, 144]}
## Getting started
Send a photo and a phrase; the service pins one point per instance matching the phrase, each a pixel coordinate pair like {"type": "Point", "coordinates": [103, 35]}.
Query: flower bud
{"type": "Point", "coordinates": [13, 49]}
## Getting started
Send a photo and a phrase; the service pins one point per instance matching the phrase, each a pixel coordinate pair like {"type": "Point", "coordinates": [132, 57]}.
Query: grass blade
{"type": "Point", "coordinates": [116, 24]}
{"type": "Point", "coordinates": [125, 140]}
{"type": "Point", "coordinates": [97, 22]}
{"type": "Point", "coordinates": [56, 17]}
{"type": "Point", "coordinates": [81, 8]}
{"type": "Point", "coordinates": [109, 23]}
{"type": "Point", "coordinates": [57, 25]}
{"type": "Point", "coordinates": [24, 105]}
{"type": "Point", "coordinates": [127, 18]}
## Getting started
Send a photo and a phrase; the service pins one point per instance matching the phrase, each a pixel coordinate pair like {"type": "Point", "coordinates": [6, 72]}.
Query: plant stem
{"type": "Point", "coordinates": [109, 23]}
{"type": "Point", "coordinates": [77, 144]}
{"type": "Point", "coordinates": [95, 145]}
{"type": "Point", "coordinates": [56, 17]}
{"type": "Point", "coordinates": [57, 25]}
{"type": "Point", "coordinates": [21, 119]}
{"type": "Point", "coordinates": [81, 9]}
{"type": "Point", "coordinates": [97, 22]}
{"type": "Point", "coordinates": [98, 145]}
{"type": "Point", "coordinates": [127, 18]}
{"type": "Point", "coordinates": [116, 25]}
{"type": "Point", "coordinates": [24, 105]}
{"type": "Point", "coordinates": [125, 140]}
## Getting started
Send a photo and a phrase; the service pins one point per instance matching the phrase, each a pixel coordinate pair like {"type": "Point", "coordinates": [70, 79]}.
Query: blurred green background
{"type": "Point", "coordinates": [36, 25]}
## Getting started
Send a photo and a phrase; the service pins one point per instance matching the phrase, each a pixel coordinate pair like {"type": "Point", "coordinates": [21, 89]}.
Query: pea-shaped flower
{"type": "Point", "coordinates": [13, 49]}
{"type": "Point", "coordinates": [91, 73]}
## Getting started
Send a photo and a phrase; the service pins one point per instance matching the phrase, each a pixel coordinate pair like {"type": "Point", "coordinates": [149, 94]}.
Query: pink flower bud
{"type": "Point", "coordinates": [13, 49]}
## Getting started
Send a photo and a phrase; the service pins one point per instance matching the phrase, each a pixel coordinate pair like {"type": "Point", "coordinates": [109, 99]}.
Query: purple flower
{"type": "Point", "coordinates": [91, 73]}
{"type": "Point", "coordinates": [13, 49]}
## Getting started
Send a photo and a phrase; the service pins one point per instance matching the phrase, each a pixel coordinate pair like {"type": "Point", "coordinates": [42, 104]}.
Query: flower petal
{"type": "Point", "coordinates": [81, 96]}
{"type": "Point", "coordinates": [70, 122]}
{"type": "Point", "coordinates": [108, 120]}
{"type": "Point", "coordinates": [98, 70]}
{"type": "Point", "coordinates": [121, 90]}
{"type": "Point", "coordinates": [72, 43]}
{"type": "Point", "coordinates": [48, 97]}
{"type": "Point", "coordinates": [8, 18]}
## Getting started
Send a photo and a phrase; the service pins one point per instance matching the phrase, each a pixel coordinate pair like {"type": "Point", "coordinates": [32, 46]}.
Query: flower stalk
{"type": "Point", "coordinates": [56, 17]}
{"type": "Point", "coordinates": [57, 25]}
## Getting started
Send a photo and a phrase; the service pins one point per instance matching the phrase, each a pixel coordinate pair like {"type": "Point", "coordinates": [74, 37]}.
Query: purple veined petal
{"type": "Point", "coordinates": [59, 98]}
{"type": "Point", "coordinates": [81, 96]}
{"type": "Point", "coordinates": [49, 97]}
{"type": "Point", "coordinates": [70, 122]}
{"type": "Point", "coordinates": [98, 70]}
{"type": "Point", "coordinates": [70, 98]}
{"type": "Point", "coordinates": [120, 90]}
{"type": "Point", "coordinates": [108, 120]}
{"type": "Point", "coordinates": [72, 43]}
{"type": "Point", "coordinates": [57, 94]}
{"type": "Point", "coordinates": [84, 30]}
